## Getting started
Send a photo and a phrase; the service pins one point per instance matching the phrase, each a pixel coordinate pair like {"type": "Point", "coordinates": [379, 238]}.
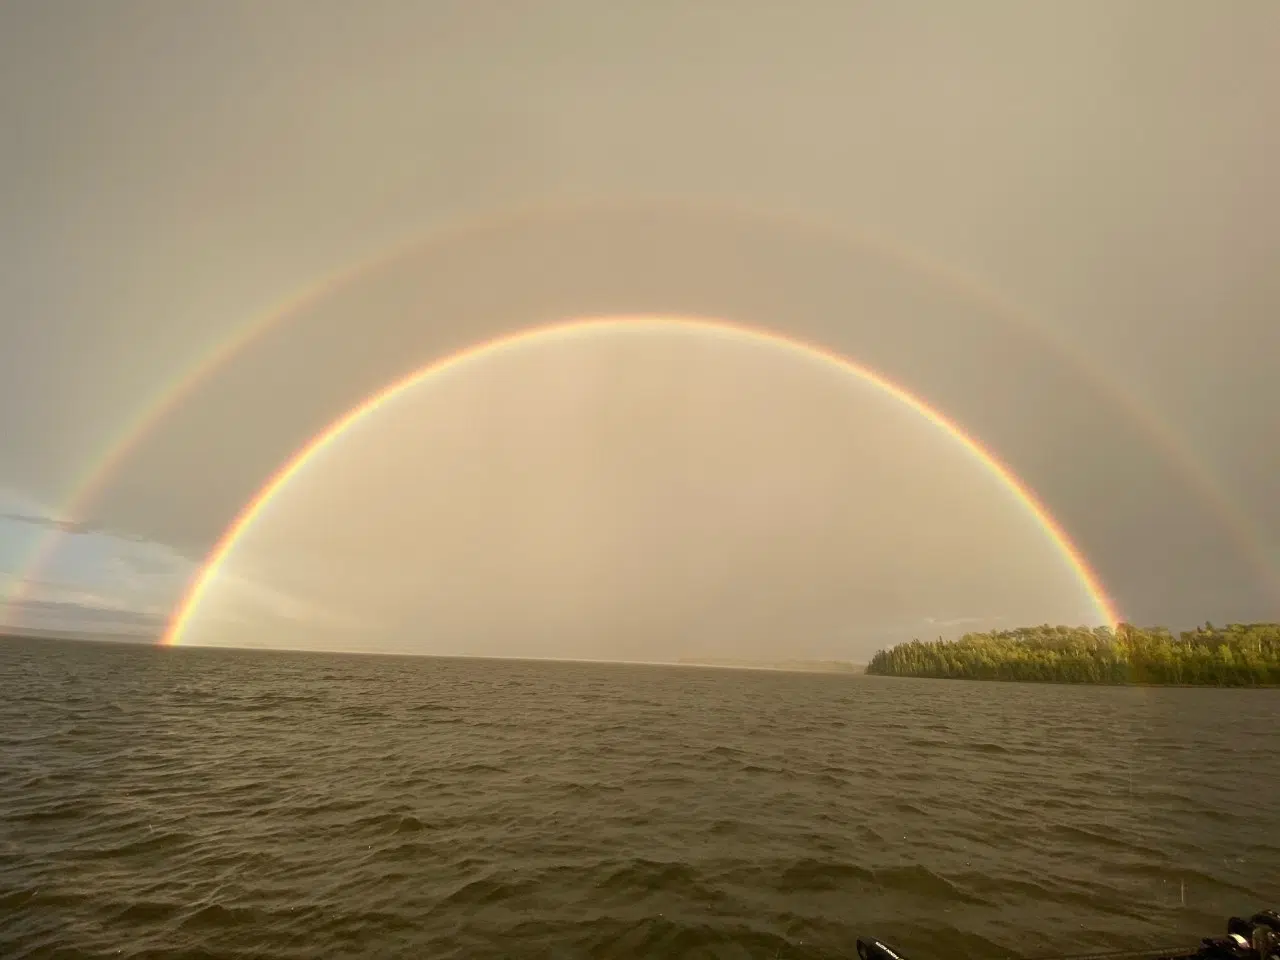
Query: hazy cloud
{"type": "Point", "coordinates": [85, 614]}
{"type": "Point", "coordinates": [97, 580]}
{"type": "Point", "coordinates": [63, 525]}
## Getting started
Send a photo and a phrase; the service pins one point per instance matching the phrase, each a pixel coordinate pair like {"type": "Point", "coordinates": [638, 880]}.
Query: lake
{"type": "Point", "coordinates": [224, 803]}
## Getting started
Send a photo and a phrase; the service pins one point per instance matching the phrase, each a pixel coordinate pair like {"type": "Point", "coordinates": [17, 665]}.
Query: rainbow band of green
{"type": "Point", "coordinates": [200, 584]}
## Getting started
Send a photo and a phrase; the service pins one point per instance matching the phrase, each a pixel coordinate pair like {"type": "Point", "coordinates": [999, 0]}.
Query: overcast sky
{"type": "Point", "coordinates": [1056, 222]}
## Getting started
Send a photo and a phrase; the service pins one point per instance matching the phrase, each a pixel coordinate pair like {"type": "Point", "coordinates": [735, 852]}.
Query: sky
{"type": "Point", "coordinates": [1055, 223]}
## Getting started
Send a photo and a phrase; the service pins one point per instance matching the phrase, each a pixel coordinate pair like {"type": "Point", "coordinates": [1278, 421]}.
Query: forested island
{"type": "Point", "coordinates": [1237, 655]}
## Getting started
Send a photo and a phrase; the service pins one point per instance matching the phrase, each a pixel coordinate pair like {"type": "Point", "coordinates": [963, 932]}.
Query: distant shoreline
{"type": "Point", "coordinates": [1237, 655]}
{"type": "Point", "coordinates": [839, 667]}
{"type": "Point", "coordinates": [845, 667]}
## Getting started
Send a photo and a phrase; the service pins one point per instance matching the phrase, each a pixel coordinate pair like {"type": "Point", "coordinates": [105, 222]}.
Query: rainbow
{"type": "Point", "coordinates": [80, 497]}
{"type": "Point", "coordinates": [295, 465]}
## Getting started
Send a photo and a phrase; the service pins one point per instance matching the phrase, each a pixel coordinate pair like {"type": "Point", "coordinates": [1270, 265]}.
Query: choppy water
{"type": "Point", "coordinates": [205, 803]}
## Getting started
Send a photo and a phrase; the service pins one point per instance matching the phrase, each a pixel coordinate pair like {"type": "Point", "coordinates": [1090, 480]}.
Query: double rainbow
{"type": "Point", "coordinates": [82, 494]}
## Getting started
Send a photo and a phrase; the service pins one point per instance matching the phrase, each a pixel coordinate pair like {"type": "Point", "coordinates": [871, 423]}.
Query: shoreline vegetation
{"type": "Point", "coordinates": [1235, 655]}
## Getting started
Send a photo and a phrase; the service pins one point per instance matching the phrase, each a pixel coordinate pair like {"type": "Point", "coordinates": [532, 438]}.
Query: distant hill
{"type": "Point", "coordinates": [35, 633]}
{"type": "Point", "coordinates": [792, 666]}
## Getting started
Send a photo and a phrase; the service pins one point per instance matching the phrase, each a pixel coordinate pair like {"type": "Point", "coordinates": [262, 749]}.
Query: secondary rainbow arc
{"type": "Point", "coordinates": [117, 449]}
{"type": "Point", "coordinates": [198, 587]}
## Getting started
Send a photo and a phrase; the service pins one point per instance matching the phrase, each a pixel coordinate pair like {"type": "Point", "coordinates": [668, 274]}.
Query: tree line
{"type": "Point", "coordinates": [1237, 655]}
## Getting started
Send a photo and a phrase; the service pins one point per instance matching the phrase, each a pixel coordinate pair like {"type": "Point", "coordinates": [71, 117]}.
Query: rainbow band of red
{"type": "Point", "coordinates": [199, 586]}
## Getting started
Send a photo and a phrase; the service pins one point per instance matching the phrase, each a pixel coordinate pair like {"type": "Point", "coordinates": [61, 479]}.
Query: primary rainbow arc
{"type": "Point", "coordinates": [199, 585]}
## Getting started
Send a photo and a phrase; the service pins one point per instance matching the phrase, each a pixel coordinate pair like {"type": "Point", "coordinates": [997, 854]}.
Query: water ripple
{"type": "Point", "coordinates": [224, 804]}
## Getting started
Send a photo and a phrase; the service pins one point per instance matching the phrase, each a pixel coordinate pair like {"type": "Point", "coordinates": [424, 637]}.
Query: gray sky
{"type": "Point", "coordinates": [173, 170]}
